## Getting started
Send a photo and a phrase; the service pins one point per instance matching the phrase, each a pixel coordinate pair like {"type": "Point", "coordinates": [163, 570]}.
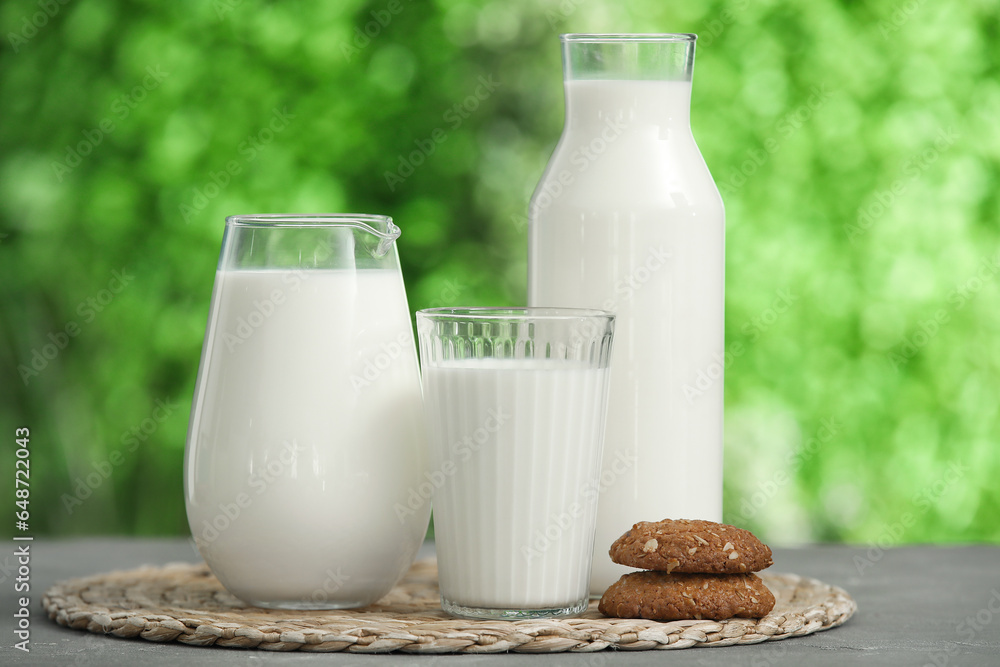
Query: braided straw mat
{"type": "Point", "coordinates": [186, 603]}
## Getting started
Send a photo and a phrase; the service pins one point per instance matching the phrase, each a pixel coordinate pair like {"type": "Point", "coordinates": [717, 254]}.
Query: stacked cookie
{"type": "Point", "coordinates": [694, 570]}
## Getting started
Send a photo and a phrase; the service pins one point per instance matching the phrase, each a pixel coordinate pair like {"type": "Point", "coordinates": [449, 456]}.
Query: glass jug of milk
{"type": "Point", "coordinates": [306, 449]}
{"type": "Point", "coordinates": [627, 218]}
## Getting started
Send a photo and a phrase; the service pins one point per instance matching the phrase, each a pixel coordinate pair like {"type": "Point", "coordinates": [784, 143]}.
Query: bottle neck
{"type": "Point", "coordinates": [637, 80]}
{"type": "Point", "coordinates": [592, 105]}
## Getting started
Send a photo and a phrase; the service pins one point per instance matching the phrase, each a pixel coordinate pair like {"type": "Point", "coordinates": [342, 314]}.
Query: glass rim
{"type": "Point", "coordinates": [515, 314]}
{"type": "Point", "coordinates": [612, 38]}
{"type": "Point", "coordinates": [379, 225]}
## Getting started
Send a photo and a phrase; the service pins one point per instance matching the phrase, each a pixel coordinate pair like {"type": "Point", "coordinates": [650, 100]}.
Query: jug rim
{"type": "Point", "coordinates": [580, 37]}
{"type": "Point", "coordinates": [379, 225]}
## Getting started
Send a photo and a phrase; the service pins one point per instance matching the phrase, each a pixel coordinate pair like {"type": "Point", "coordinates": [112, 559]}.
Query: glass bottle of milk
{"type": "Point", "coordinates": [627, 218]}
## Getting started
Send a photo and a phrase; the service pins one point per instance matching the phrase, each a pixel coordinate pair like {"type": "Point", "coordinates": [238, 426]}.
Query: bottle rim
{"type": "Point", "coordinates": [599, 38]}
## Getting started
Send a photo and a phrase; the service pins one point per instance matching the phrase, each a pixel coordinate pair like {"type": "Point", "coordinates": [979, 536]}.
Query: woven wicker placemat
{"type": "Point", "coordinates": [186, 603]}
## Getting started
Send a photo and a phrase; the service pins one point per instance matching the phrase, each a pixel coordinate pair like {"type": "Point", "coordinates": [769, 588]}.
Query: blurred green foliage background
{"type": "Point", "coordinates": [857, 147]}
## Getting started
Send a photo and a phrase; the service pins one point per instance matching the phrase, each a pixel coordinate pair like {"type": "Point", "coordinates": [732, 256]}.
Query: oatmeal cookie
{"type": "Point", "coordinates": [683, 545]}
{"type": "Point", "coordinates": [672, 597]}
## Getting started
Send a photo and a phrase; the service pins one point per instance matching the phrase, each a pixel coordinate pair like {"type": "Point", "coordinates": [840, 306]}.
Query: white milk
{"type": "Point", "coordinates": [308, 435]}
{"type": "Point", "coordinates": [627, 218]}
{"type": "Point", "coordinates": [516, 496]}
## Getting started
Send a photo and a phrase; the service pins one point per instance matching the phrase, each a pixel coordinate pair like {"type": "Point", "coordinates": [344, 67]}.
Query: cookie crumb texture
{"type": "Point", "coordinates": [691, 545]}
{"type": "Point", "coordinates": [660, 596]}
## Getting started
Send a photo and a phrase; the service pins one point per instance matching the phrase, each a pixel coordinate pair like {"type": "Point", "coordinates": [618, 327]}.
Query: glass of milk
{"type": "Point", "coordinates": [515, 401]}
{"type": "Point", "coordinates": [307, 427]}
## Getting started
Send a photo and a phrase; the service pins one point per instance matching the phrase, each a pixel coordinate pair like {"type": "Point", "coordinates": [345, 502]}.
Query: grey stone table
{"type": "Point", "coordinates": [918, 606]}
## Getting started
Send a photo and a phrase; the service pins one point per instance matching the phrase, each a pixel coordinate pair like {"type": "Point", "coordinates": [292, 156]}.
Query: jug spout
{"type": "Point", "coordinates": [380, 226]}
{"type": "Point", "coordinates": [386, 238]}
